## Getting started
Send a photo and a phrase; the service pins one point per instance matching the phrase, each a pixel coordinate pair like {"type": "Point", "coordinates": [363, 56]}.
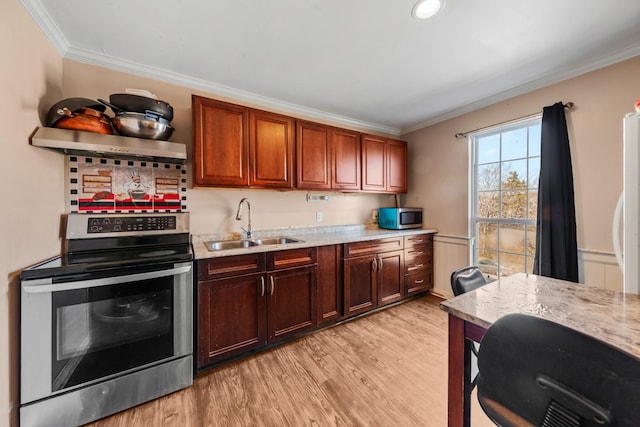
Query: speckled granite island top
{"type": "Point", "coordinates": [310, 236]}
{"type": "Point", "coordinates": [612, 317]}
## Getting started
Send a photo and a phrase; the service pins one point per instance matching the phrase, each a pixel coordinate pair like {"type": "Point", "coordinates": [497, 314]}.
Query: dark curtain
{"type": "Point", "coordinates": [556, 246]}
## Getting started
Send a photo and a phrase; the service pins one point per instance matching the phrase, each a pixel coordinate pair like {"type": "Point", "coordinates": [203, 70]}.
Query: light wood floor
{"type": "Point", "coordinates": [385, 369]}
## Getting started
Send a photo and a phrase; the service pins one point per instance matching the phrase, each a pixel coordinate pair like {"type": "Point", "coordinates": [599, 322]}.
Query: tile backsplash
{"type": "Point", "coordinates": [102, 185]}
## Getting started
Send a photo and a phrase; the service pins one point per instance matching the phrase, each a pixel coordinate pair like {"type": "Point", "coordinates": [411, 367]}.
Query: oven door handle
{"type": "Point", "coordinates": [38, 286]}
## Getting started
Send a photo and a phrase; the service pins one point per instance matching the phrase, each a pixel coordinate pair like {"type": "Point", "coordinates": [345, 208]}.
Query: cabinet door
{"type": "Point", "coordinates": [271, 139]}
{"type": "Point", "coordinates": [313, 156]}
{"type": "Point", "coordinates": [360, 286]}
{"type": "Point", "coordinates": [396, 166]}
{"type": "Point", "coordinates": [231, 317]}
{"type": "Point", "coordinates": [291, 300]}
{"type": "Point", "coordinates": [220, 143]}
{"type": "Point", "coordinates": [390, 277]}
{"type": "Point", "coordinates": [346, 159]}
{"type": "Point", "coordinates": [374, 164]}
{"type": "Point", "coordinates": [329, 283]}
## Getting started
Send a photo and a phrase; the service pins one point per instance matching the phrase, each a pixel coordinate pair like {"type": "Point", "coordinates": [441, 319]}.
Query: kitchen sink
{"type": "Point", "coordinates": [246, 243]}
{"type": "Point", "coordinates": [276, 240]}
{"type": "Point", "coordinates": [229, 244]}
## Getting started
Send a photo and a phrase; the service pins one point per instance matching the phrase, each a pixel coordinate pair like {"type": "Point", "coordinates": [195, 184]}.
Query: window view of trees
{"type": "Point", "coordinates": [507, 166]}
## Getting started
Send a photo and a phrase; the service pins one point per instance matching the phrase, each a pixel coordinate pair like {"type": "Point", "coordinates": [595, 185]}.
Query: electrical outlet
{"type": "Point", "coordinates": [318, 216]}
{"type": "Point", "coordinates": [374, 215]}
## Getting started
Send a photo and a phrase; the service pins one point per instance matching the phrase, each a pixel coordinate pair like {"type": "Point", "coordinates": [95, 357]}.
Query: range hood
{"type": "Point", "coordinates": [113, 146]}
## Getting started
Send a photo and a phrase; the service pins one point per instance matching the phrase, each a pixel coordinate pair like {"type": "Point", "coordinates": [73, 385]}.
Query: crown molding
{"type": "Point", "coordinates": [618, 56]}
{"type": "Point", "coordinates": [131, 67]}
{"type": "Point", "coordinates": [57, 38]}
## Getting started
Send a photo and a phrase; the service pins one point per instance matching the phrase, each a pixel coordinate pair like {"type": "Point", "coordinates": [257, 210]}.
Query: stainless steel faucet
{"type": "Point", "coordinates": [239, 217]}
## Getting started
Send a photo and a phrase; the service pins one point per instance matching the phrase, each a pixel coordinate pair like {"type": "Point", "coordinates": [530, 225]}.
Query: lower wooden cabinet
{"type": "Point", "coordinates": [330, 295]}
{"type": "Point", "coordinates": [231, 317]}
{"type": "Point", "coordinates": [247, 302]}
{"type": "Point", "coordinates": [418, 263]}
{"type": "Point", "coordinates": [360, 287]}
{"type": "Point", "coordinates": [241, 312]}
{"type": "Point", "coordinates": [291, 302]}
{"type": "Point", "coordinates": [373, 274]}
{"type": "Point", "coordinates": [390, 277]}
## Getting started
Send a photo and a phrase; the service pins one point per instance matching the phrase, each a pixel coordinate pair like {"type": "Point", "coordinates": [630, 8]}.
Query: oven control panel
{"type": "Point", "coordinates": [123, 224]}
{"type": "Point", "coordinates": [92, 226]}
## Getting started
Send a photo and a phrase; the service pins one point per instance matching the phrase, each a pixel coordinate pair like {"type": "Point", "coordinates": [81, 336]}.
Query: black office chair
{"type": "Point", "coordinates": [467, 279]}
{"type": "Point", "coordinates": [536, 372]}
{"type": "Point", "coordinates": [464, 280]}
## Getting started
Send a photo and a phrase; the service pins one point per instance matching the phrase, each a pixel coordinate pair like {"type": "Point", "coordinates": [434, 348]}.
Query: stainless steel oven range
{"type": "Point", "coordinates": [109, 324]}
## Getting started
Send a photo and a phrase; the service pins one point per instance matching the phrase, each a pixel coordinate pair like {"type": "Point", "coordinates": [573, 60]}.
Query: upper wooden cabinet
{"type": "Point", "coordinates": [384, 164]}
{"type": "Point", "coordinates": [221, 143]}
{"type": "Point", "coordinates": [345, 146]}
{"type": "Point", "coordinates": [313, 156]}
{"type": "Point", "coordinates": [236, 146]}
{"type": "Point", "coordinates": [271, 141]}
{"type": "Point", "coordinates": [328, 158]}
{"type": "Point", "coordinates": [374, 164]}
{"type": "Point", "coordinates": [397, 166]}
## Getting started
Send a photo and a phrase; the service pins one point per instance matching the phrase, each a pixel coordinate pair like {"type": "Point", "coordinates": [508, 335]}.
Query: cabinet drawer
{"type": "Point", "coordinates": [418, 281]}
{"type": "Point", "coordinates": [418, 262]}
{"type": "Point", "coordinates": [291, 258]}
{"type": "Point", "coordinates": [372, 247]}
{"type": "Point", "coordinates": [216, 268]}
{"type": "Point", "coordinates": [418, 240]}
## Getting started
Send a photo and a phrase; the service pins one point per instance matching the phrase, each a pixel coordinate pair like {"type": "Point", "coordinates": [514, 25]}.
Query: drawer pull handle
{"type": "Point", "coordinates": [419, 265]}
{"type": "Point", "coordinates": [262, 286]}
{"type": "Point", "coordinates": [374, 265]}
{"type": "Point", "coordinates": [419, 281]}
{"type": "Point", "coordinates": [380, 264]}
{"type": "Point", "coordinates": [272, 285]}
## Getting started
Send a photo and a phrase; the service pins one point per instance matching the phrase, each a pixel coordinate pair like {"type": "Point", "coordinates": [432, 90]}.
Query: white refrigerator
{"type": "Point", "coordinates": [628, 253]}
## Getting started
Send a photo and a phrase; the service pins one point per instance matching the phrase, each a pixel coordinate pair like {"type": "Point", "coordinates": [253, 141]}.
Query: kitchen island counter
{"type": "Point", "coordinates": [608, 316]}
{"type": "Point", "coordinates": [309, 236]}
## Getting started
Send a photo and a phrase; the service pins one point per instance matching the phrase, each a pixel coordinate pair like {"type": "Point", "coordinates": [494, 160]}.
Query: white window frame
{"type": "Point", "coordinates": [473, 180]}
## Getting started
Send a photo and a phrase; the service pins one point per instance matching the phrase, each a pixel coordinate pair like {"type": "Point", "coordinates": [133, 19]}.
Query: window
{"type": "Point", "coordinates": [506, 167]}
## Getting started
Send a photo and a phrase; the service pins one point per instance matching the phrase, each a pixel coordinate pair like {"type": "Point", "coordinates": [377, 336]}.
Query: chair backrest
{"type": "Point", "coordinates": [467, 279]}
{"type": "Point", "coordinates": [537, 372]}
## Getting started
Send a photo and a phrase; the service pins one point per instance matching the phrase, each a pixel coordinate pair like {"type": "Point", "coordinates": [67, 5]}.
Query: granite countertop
{"type": "Point", "coordinates": [309, 236]}
{"type": "Point", "coordinates": [610, 316]}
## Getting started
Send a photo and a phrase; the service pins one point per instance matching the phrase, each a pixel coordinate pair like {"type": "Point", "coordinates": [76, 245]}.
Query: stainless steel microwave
{"type": "Point", "coordinates": [400, 218]}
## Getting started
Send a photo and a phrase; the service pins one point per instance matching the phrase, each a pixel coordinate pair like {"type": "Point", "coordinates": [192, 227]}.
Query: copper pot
{"type": "Point", "coordinates": [86, 119]}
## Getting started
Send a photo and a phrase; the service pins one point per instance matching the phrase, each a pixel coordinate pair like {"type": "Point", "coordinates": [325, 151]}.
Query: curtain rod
{"type": "Point", "coordinates": [459, 135]}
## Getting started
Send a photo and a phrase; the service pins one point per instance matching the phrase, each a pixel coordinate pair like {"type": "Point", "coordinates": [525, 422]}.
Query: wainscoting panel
{"type": "Point", "coordinates": [596, 268]}
{"type": "Point", "coordinates": [599, 269]}
{"type": "Point", "coordinates": [449, 254]}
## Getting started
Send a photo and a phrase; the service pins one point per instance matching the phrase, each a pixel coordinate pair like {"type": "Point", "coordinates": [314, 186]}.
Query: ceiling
{"type": "Point", "coordinates": [364, 62]}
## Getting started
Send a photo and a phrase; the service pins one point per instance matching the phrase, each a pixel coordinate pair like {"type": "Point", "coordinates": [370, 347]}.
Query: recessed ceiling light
{"type": "Point", "coordinates": [427, 8]}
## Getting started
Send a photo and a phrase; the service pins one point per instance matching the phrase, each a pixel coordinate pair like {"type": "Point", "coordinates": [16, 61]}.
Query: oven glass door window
{"type": "Point", "coordinates": [110, 329]}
